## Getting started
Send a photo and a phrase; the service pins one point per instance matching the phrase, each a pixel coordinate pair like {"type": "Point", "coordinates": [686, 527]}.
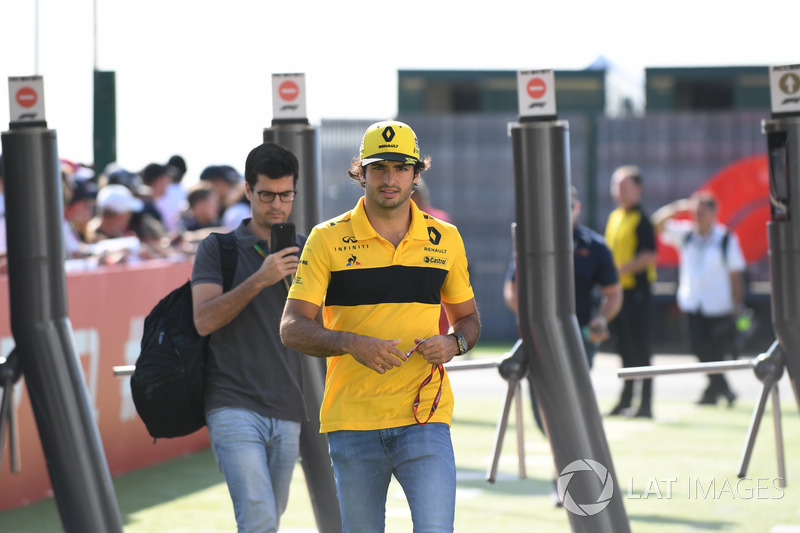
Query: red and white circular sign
{"type": "Point", "coordinates": [27, 97]}
{"type": "Point", "coordinates": [536, 88]}
{"type": "Point", "coordinates": [288, 90]}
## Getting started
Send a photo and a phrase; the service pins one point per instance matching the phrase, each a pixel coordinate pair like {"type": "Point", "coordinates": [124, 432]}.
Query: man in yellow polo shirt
{"type": "Point", "coordinates": [631, 239]}
{"type": "Point", "coordinates": [381, 272]}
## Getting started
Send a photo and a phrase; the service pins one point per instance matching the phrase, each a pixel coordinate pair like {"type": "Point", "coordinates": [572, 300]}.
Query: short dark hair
{"type": "Point", "coordinates": [199, 192]}
{"type": "Point", "coordinates": [152, 172]}
{"type": "Point", "coordinates": [272, 161]}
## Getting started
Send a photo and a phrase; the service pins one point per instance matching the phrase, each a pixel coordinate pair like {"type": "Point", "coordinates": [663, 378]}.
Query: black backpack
{"type": "Point", "coordinates": [167, 383]}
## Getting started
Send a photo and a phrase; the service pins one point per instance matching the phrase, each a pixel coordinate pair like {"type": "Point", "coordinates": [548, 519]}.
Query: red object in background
{"type": "Point", "coordinates": [742, 192]}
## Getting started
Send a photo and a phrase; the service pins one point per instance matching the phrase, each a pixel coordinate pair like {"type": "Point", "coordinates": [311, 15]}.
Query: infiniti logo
{"type": "Point", "coordinates": [349, 239]}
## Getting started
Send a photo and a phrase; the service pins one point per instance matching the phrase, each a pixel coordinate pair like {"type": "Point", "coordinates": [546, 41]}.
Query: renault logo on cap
{"type": "Point", "coordinates": [388, 134]}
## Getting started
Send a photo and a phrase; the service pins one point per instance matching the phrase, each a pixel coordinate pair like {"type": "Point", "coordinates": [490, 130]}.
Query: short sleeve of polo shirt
{"type": "Point", "coordinates": [457, 288]}
{"type": "Point", "coordinates": [645, 235]}
{"type": "Point", "coordinates": [735, 260]}
{"type": "Point", "coordinates": [607, 270]}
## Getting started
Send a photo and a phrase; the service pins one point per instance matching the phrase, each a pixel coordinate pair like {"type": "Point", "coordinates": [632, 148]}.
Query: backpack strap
{"type": "Point", "coordinates": [229, 256]}
{"type": "Point", "coordinates": [725, 238]}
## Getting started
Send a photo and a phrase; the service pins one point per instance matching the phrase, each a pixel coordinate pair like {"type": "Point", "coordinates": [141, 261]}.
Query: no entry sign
{"type": "Point", "coordinates": [537, 88]}
{"type": "Point", "coordinates": [288, 97]}
{"type": "Point", "coordinates": [26, 99]}
{"type": "Point", "coordinates": [288, 91]}
{"type": "Point", "coordinates": [27, 96]}
{"type": "Point", "coordinates": [536, 94]}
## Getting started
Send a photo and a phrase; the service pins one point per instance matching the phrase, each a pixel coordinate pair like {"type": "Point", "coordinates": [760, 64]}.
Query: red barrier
{"type": "Point", "coordinates": [107, 307]}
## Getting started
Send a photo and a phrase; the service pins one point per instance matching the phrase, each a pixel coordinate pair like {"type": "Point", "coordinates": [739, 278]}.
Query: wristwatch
{"type": "Point", "coordinates": [462, 343]}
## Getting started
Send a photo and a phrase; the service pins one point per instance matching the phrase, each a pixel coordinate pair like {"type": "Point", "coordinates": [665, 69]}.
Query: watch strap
{"type": "Point", "coordinates": [461, 341]}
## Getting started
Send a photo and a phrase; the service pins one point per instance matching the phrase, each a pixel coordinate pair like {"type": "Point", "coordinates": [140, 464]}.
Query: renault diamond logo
{"type": "Point", "coordinates": [434, 235]}
{"type": "Point", "coordinates": [388, 134]}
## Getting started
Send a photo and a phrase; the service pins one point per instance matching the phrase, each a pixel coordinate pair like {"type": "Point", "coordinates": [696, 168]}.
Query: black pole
{"type": "Point", "coordinates": [303, 141]}
{"type": "Point", "coordinates": [43, 334]}
{"type": "Point", "coordinates": [783, 230]}
{"type": "Point", "coordinates": [587, 483]}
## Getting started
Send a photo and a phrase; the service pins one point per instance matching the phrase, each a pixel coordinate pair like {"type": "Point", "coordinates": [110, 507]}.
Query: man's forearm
{"type": "Point", "coordinates": [312, 338]}
{"type": "Point", "coordinates": [220, 311]}
{"type": "Point", "coordinates": [470, 327]}
{"type": "Point", "coordinates": [639, 263]}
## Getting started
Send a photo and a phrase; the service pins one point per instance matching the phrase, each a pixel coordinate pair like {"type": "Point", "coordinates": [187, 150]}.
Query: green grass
{"type": "Point", "coordinates": [694, 446]}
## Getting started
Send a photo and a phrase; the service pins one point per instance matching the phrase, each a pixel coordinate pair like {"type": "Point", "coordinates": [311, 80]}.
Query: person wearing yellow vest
{"type": "Point", "coordinates": [631, 238]}
{"type": "Point", "coordinates": [380, 273]}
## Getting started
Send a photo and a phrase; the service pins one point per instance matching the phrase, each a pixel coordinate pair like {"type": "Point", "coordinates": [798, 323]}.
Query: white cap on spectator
{"type": "Point", "coordinates": [118, 199]}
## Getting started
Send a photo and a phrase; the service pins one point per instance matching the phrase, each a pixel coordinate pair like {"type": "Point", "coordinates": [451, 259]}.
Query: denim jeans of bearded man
{"type": "Point", "coordinates": [420, 458]}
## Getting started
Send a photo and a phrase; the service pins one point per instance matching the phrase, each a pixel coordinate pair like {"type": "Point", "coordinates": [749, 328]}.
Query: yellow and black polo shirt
{"type": "Point", "coordinates": [629, 231]}
{"type": "Point", "coordinates": [370, 288]}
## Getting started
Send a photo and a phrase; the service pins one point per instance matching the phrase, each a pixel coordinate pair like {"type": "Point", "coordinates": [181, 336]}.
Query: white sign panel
{"type": "Point", "coordinates": [536, 92]}
{"type": "Point", "coordinates": [289, 97]}
{"type": "Point", "coordinates": [784, 88]}
{"type": "Point", "coordinates": [26, 98]}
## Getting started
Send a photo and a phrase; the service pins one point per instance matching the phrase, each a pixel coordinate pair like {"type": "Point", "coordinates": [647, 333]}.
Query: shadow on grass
{"type": "Point", "coordinates": [506, 484]}
{"type": "Point", "coordinates": [165, 482]}
{"type": "Point", "coordinates": [156, 485]}
{"type": "Point", "coordinates": [709, 525]}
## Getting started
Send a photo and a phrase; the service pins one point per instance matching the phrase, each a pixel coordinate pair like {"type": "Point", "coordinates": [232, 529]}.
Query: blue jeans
{"type": "Point", "coordinates": [420, 457]}
{"type": "Point", "coordinates": [256, 455]}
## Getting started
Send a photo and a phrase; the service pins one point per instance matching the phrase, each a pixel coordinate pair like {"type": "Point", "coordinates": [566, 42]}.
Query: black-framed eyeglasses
{"type": "Point", "coordinates": [268, 196]}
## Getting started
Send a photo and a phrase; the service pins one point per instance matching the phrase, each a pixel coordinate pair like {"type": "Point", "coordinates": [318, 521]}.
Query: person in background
{"type": "Point", "coordinates": [78, 211]}
{"type": "Point", "coordinates": [203, 208]}
{"type": "Point", "coordinates": [710, 281]}
{"type": "Point", "coordinates": [224, 178]}
{"type": "Point", "coordinates": [593, 269]}
{"type": "Point", "coordinates": [254, 384]}
{"type": "Point", "coordinates": [173, 202]}
{"type": "Point", "coordinates": [201, 217]}
{"type": "Point", "coordinates": [379, 274]}
{"type": "Point", "coordinates": [422, 197]}
{"type": "Point", "coordinates": [631, 238]}
{"type": "Point", "coordinates": [115, 205]}
{"type": "Point", "coordinates": [236, 207]}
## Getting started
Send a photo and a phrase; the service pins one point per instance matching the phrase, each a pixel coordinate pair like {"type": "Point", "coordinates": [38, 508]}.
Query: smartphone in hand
{"type": "Point", "coordinates": [282, 236]}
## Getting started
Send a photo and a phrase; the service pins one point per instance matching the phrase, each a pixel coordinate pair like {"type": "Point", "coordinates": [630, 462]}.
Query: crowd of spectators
{"type": "Point", "coordinates": [124, 216]}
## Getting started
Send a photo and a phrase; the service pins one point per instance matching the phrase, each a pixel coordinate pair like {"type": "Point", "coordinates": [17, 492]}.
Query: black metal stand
{"type": "Point", "coordinates": [768, 368]}
{"type": "Point", "coordinates": [9, 374]}
{"type": "Point", "coordinates": [512, 369]}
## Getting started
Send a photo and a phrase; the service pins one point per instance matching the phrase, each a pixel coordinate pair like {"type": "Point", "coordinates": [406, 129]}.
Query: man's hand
{"type": "Point", "coordinates": [438, 349]}
{"type": "Point", "coordinates": [278, 265]}
{"type": "Point", "coordinates": [378, 354]}
{"type": "Point", "coordinates": [598, 329]}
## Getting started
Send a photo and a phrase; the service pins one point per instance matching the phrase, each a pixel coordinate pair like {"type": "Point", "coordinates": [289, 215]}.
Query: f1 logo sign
{"type": "Point", "coordinates": [26, 99]}
{"type": "Point", "coordinates": [288, 97]}
{"type": "Point", "coordinates": [537, 99]}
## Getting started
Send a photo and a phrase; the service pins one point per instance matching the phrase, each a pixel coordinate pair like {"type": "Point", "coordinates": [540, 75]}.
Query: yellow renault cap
{"type": "Point", "coordinates": [389, 140]}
